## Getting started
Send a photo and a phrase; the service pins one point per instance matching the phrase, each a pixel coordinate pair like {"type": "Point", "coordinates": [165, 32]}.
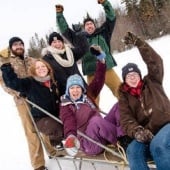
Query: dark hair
{"type": "Point", "coordinates": [88, 19]}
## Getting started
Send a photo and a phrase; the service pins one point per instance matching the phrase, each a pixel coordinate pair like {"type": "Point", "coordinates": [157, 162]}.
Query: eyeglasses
{"type": "Point", "coordinates": [132, 75]}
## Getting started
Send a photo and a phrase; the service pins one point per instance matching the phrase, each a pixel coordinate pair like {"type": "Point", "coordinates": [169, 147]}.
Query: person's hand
{"type": "Point", "coordinates": [101, 56]}
{"type": "Point", "coordinates": [72, 145]}
{"type": "Point", "coordinates": [143, 135]}
{"type": "Point", "coordinates": [6, 66]}
{"type": "Point", "coordinates": [59, 8]}
{"type": "Point", "coordinates": [130, 38]}
{"type": "Point", "coordinates": [100, 1]}
{"type": "Point", "coordinates": [95, 49]}
{"type": "Point", "coordinates": [76, 27]}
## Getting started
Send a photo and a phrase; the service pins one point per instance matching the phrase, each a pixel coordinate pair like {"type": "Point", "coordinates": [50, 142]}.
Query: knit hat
{"type": "Point", "coordinates": [74, 80]}
{"type": "Point", "coordinates": [55, 36]}
{"type": "Point", "coordinates": [130, 67]}
{"type": "Point", "coordinates": [87, 20]}
{"type": "Point", "coordinates": [14, 39]}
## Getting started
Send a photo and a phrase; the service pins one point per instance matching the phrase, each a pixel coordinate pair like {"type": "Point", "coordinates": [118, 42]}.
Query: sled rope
{"type": "Point", "coordinates": [35, 126]}
{"type": "Point", "coordinates": [80, 133]}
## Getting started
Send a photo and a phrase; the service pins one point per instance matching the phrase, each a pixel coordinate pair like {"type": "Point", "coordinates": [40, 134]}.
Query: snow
{"type": "Point", "coordinates": [14, 152]}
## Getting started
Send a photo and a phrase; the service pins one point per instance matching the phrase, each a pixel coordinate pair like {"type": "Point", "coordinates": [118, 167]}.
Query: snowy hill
{"type": "Point", "coordinates": [13, 146]}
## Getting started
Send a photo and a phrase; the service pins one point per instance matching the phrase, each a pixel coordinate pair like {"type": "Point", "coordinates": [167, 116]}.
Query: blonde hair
{"type": "Point", "coordinates": [32, 68]}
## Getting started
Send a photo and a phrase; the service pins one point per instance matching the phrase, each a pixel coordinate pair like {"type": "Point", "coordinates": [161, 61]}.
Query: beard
{"type": "Point", "coordinates": [18, 52]}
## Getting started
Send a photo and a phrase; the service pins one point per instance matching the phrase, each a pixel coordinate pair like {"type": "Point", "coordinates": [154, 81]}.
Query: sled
{"type": "Point", "coordinates": [113, 154]}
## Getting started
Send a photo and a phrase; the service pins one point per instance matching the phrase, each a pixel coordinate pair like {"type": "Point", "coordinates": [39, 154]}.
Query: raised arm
{"type": "Point", "coordinates": [151, 58]}
{"type": "Point", "coordinates": [108, 26]}
{"type": "Point", "coordinates": [12, 81]}
{"type": "Point", "coordinates": [97, 83]}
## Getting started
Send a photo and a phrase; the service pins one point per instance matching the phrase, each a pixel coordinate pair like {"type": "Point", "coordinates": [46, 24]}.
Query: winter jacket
{"type": "Point", "coordinates": [20, 66]}
{"type": "Point", "coordinates": [76, 115]}
{"type": "Point", "coordinates": [61, 72]}
{"type": "Point", "coordinates": [101, 37]}
{"type": "Point", "coordinates": [152, 109]}
{"type": "Point", "coordinates": [34, 90]}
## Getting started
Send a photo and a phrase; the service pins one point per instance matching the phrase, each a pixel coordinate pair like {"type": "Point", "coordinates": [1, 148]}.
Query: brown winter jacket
{"type": "Point", "coordinates": [152, 109]}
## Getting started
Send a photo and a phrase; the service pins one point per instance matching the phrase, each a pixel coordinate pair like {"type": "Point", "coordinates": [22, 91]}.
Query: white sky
{"type": "Point", "coordinates": [13, 146]}
{"type": "Point", "coordinates": [25, 17]}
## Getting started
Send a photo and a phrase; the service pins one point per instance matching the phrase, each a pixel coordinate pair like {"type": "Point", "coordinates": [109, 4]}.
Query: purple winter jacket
{"type": "Point", "coordinates": [75, 116]}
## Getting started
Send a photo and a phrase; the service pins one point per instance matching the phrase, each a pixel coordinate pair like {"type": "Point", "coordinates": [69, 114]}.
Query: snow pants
{"type": "Point", "coordinates": [100, 130]}
{"type": "Point", "coordinates": [112, 81]}
{"type": "Point", "coordinates": [34, 144]}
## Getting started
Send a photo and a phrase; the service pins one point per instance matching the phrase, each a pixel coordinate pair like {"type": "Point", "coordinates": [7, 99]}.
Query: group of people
{"type": "Point", "coordinates": [54, 83]}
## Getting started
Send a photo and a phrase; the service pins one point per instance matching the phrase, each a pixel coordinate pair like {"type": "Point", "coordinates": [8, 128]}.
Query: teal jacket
{"type": "Point", "coordinates": [101, 37]}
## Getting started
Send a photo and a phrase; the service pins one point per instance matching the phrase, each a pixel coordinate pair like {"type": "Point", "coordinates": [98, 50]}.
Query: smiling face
{"type": "Point", "coordinates": [132, 79]}
{"type": "Point", "coordinates": [75, 92]}
{"type": "Point", "coordinates": [17, 48]}
{"type": "Point", "coordinates": [58, 44]}
{"type": "Point", "coordinates": [41, 69]}
{"type": "Point", "coordinates": [89, 27]}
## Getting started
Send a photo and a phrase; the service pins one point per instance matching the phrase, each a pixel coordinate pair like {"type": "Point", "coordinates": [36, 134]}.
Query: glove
{"type": "Point", "coordinates": [76, 27]}
{"type": "Point", "coordinates": [101, 56]}
{"type": "Point", "coordinates": [100, 1]}
{"type": "Point", "coordinates": [72, 145]}
{"type": "Point", "coordinates": [59, 8]}
{"type": "Point", "coordinates": [130, 38]}
{"type": "Point", "coordinates": [143, 135]}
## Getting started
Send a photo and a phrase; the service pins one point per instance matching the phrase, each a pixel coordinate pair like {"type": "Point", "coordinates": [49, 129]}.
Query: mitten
{"type": "Point", "coordinates": [76, 27]}
{"type": "Point", "coordinates": [6, 66]}
{"type": "Point", "coordinates": [95, 50]}
{"type": "Point", "coordinates": [100, 1]}
{"type": "Point", "coordinates": [59, 8]}
{"type": "Point", "coordinates": [72, 145]}
{"type": "Point", "coordinates": [143, 135]}
{"type": "Point", "coordinates": [130, 38]}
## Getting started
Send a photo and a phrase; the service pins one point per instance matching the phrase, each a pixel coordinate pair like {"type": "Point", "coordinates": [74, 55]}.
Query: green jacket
{"type": "Point", "coordinates": [101, 37]}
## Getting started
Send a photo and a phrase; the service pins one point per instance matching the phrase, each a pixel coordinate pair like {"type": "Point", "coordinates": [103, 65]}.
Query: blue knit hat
{"type": "Point", "coordinates": [74, 80]}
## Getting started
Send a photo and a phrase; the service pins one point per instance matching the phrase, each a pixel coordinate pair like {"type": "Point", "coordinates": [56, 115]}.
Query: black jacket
{"type": "Point", "coordinates": [61, 73]}
{"type": "Point", "coordinates": [35, 91]}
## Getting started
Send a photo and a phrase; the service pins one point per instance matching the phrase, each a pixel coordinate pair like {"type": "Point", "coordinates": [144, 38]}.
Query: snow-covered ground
{"type": "Point", "coordinates": [13, 146]}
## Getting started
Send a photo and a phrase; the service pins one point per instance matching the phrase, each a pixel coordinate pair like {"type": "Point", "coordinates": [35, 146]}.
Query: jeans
{"type": "Point", "coordinates": [159, 149]}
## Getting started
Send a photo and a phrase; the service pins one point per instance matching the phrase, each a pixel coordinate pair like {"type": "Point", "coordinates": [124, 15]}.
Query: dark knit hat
{"type": "Point", "coordinates": [130, 67]}
{"type": "Point", "coordinates": [74, 80]}
{"type": "Point", "coordinates": [55, 36]}
{"type": "Point", "coordinates": [14, 39]}
{"type": "Point", "coordinates": [87, 20]}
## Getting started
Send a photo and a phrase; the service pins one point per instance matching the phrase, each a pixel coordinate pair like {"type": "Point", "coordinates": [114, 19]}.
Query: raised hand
{"type": "Point", "coordinates": [130, 38]}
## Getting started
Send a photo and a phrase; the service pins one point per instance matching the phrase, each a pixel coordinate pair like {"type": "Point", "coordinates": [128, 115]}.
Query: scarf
{"type": "Point", "coordinates": [56, 54]}
{"type": "Point", "coordinates": [46, 81]}
{"type": "Point", "coordinates": [134, 91]}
